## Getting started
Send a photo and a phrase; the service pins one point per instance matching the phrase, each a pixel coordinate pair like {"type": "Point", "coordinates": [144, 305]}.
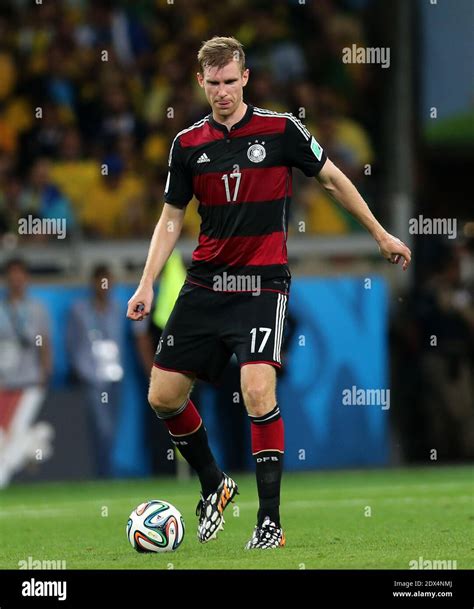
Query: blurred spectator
{"type": "Point", "coordinates": [445, 317]}
{"type": "Point", "coordinates": [42, 199]}
{"type": "Point", "coordinates": [432, 359]}
{"type": "Point", "coordinates": [263, 93]}
{"type": "Point", "coordinates": [43, 139]}
{"type": "Point", "coordinates": [73, 172]}
{"type": "Point", "coordinates": [110, 26]}
{"type": "Point", "coordinates": [115, 205]}
{"type": "Point", "coordinates": [24, 333]}
{"type": "Point", "coordinates": [345, 140]}
{"type": "Point", "coordinates": [25, 369]}
{"type": "Point", "coordinates": [94, 344]}
{"type": "Point", "coordinates": [118, 117]}
{"type": "Point", "coordinates": [58, 82]}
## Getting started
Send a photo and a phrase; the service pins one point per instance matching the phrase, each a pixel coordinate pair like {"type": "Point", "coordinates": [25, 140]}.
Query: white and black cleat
{"type": "Point", "coordinates": [210, 510]}
{"type": "Point", "coordinates": [266, 536]}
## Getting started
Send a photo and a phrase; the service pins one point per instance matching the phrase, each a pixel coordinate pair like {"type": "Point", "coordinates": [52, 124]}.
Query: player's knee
{"type": "Point", "coordinates": [258, 398]}
{"type": "Point", "coordinates": [162, 401]}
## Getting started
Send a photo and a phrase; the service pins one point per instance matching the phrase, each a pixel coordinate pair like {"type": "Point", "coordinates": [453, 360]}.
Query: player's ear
{"type": "Point", "coordinates": [245, 76]}
{"type": "Point", "coordinates": [200, 79]}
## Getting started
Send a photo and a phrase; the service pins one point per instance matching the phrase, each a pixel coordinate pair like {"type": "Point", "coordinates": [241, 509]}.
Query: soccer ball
{"type": "Point", "coordinates": [155, 526]}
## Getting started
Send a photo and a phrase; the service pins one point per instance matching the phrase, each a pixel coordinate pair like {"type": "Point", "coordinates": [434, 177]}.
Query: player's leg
{"type": "Point", "coordinates": [257, 337]}
{"type": "Point", "coordinates": [258, 382]}
{"type": "Point", "coordinates": [195, 351]}
{"type": "Point", "coordinates": [169, 397]}
{"type": "Point", "coordinates": [190, 348]}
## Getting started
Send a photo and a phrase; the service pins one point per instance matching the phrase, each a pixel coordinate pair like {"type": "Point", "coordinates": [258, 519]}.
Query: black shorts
{"type": "Point", "coordinates": [206, 327]}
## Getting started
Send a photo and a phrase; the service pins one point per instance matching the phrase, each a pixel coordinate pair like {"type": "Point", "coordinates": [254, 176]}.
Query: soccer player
{"type": "Point", "coordinates": [238, 163]}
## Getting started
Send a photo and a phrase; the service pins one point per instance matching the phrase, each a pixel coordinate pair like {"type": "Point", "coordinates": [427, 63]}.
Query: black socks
{"type": "Point", "coordinates": [195, 449]}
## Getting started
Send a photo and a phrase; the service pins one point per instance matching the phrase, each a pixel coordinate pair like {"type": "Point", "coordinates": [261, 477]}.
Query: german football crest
{"type": "Point", "coordinates": [256, 153]}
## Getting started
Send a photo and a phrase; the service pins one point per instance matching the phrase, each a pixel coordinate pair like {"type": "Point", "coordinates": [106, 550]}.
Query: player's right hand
{"type": "Point", "coordinates": [139, 305]}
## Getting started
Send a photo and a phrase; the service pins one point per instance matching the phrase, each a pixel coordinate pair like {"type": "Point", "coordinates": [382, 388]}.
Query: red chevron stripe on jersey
{"type": "Point", "coordinates": [243, 251]}
{"type": "Point", "coordinates": [256, 184]}
{"type": "Point", "coordinates": [201, 135]}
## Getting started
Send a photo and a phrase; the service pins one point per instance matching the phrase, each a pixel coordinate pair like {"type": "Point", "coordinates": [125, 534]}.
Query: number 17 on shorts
{"type": "Point", "coordinates": [265, 334]}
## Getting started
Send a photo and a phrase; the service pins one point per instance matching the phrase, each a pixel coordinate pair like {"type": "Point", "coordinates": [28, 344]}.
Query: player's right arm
{"type": "Point", "coordinates": [163, 241]}
{"type": "Point", "coordinates": [178, 193]}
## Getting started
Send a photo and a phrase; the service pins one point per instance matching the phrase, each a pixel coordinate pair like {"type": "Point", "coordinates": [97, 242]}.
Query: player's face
{"type": "Point", "coordinates": [224, 87]}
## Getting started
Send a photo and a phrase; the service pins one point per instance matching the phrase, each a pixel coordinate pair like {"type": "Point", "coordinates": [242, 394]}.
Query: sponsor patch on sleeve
{"type": "Point", "coordinates": [316, 148]}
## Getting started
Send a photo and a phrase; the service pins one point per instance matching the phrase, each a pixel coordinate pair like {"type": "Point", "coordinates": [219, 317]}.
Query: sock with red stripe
{"type": "Point", "coordinates": [267, 448]}
{"type": "Point", "coordinates": [188, 433]}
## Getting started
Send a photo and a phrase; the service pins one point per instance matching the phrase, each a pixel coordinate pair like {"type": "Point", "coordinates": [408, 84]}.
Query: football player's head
{"type": "Point", "coordinates": [222, 74]}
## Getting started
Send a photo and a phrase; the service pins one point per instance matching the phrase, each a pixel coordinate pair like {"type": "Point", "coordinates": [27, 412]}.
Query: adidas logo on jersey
{"type": "Point", "coordinates": [203, 158]}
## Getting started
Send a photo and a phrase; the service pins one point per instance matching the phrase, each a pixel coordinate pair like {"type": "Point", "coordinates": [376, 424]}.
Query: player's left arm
{"type": "Point", "coordinates": [342, 190]}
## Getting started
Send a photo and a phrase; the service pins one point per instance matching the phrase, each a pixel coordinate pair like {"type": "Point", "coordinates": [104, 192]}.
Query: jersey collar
{"type": "Point", "coordinates": [243, 121]}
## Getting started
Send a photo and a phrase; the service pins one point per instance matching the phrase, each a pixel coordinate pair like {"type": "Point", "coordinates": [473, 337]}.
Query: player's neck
{"type": "Point", "coordinates": [232, 119]}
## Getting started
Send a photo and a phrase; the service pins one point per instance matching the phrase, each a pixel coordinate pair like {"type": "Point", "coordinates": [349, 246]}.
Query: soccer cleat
{"type": "Point", "coordinates": [266, 536]}
{"type": "Point", "coordinates": [211, 509]}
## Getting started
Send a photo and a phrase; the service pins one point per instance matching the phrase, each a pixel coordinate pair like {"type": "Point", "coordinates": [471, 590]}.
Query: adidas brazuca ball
{"type": "Point", "coordinates": [155, 526]}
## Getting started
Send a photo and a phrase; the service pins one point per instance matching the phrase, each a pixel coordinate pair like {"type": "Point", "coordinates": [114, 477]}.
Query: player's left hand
{"type": "Point", "coordinates": [393, 250]}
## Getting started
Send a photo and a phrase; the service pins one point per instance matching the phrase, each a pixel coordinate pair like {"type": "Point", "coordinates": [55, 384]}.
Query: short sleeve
{"type": "Point", "coordinates": [301, 148]}
{"type": "Point", "coordinates": [179, 183]}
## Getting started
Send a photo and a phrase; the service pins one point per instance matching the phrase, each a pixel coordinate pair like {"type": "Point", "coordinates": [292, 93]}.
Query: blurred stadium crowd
{"type": "Point", "coordinates": [92, 94]}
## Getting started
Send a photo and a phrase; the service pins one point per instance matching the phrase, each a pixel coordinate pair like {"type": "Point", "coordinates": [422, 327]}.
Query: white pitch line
{"type": "Point", "coordinates": [72, 509]}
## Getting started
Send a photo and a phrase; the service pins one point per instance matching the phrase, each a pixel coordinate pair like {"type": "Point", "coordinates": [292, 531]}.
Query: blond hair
{"type": "Point", "coordinates": [219, 51]}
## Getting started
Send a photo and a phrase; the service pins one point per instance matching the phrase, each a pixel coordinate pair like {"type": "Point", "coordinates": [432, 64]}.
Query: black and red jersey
{"type": "Point", "coordinates": [242, 178]}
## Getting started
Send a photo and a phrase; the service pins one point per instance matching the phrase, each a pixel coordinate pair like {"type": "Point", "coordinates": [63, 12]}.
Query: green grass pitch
{"type": "Point", "coordinates": [419, 512]}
